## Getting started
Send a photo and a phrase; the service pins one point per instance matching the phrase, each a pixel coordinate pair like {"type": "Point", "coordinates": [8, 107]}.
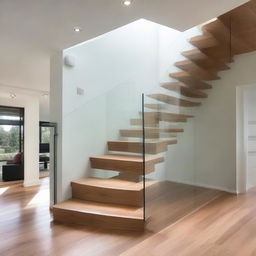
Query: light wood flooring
{"type": "Point", "coordinates": [224, 226]}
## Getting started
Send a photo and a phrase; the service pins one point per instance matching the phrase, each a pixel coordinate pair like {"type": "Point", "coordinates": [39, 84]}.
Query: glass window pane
{"type": "Point", "coordinates": [45, 134]}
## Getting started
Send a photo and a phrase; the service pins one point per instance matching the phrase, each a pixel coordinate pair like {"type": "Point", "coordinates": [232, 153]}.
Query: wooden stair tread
{"type": "Point", "coordinates": [158, 113]}
{"type": "Point", "coordinates": [149, 122]}
{"type": "Point", "coordinates": [148, 141]}
{"type": "Point", "coordinates": [203, 60]}
{"type": "Point", "coordinates": [114, 183]}
{"type": "Point", "coordinates": [151, 146]}
{"type": "Point", "coordinates": [164, 116]}
{"type": "Point", "coordinates": [204, 41]}
{"type": "Point", "coordinates": [184, 90]}
{"type": "Point", "coordinates": [138, 133]}
{"type": "Point", "coordinates": [191, 81]}
{"type": "Point", "coordinates": [96, 208]}
{"type": "Point", "coordinates": [135, 159]}
{"type": "Point", "coordinates": [126, 163]}
{"type": "Point", "coordinates": [167, 130]}
{"type": "Point", "coordinates": [197, 71]}
{"type": "Point", "coordinates": [173, 100]}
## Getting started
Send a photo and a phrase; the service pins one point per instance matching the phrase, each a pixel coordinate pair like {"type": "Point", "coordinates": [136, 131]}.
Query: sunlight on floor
{"type": "Point", "coordinates": [3, 190]}
{"type": "Point", "coordinates": [42, 197]}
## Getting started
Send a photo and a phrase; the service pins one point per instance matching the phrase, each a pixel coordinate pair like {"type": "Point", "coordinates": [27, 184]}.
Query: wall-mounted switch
{"type": "Point", "coordinates": [79, 91]}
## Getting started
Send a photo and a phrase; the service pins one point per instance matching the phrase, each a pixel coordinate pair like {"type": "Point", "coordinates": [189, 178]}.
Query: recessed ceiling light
{"type": "Point", "coordinates": [77, 29]}
{"type": "Point", "coordinates": [127, 2]}
{"type": "Point", "coordinates": [12, 95]}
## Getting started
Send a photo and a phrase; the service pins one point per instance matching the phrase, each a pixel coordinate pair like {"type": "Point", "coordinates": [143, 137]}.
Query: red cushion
{"type": "Point", "coordinates": [17, 158]}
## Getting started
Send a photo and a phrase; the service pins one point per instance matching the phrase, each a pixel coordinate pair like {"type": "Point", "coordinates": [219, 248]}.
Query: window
{"type": "Point", "coordinates": [11, 132]}
{"type": "Point", "coordinates": [45, 134]}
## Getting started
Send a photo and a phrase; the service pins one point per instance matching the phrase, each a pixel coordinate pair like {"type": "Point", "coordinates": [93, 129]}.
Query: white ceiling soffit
{"type": "Point", "coordinates": [32, 30]}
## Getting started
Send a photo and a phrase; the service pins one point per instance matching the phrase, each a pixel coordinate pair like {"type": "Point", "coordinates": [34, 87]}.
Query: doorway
{"type": "Point", "coordinates": [246, 138]}
{"type": "Point", "coordinates": [48, 156]}
{"type": "Point", "coordinates": [11, 144]}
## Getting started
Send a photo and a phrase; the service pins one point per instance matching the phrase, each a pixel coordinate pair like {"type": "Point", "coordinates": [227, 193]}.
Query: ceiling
{"type": "Point", "coordinates": [32, 30]}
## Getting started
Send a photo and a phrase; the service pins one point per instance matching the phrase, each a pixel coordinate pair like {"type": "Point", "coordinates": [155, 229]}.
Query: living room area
{"type": "Point", "coordinates": [12, 146]}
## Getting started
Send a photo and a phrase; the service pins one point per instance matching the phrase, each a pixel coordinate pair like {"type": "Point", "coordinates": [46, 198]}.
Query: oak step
{"type": "Point", "coordinates": [173, 101]}
{"type": "Point", "coordinates": [184, 90]}
{"type": "Point", "coordinates": [139, 122]}
{"type": "Point", "coordinates": [204, 61]}
{"type": "Point", "coordinates": [167, 117]}
{"type": "Point", "coordinates": [196, 71]}
{"type": "Point", "coordinates": [152, 122]}
{"type": "Point", "coordinates": [191, 81]}
{"type": "Point", "coordinates": [204, 41]}
{"type": "Point", "coordinates": [113, 190]}
{"type": "Point", "coordinates": [220, 29]}
{"type": "Point", "coordinates": [148, 134]}
{"type": "Point", "coordinates": [125, 163]}
{"type": "Point", "coordinates": [138, 133]}
{"type": "Point", "coordinates": [151, 147]}
{"type": "Point", "coordinates": [94, 214]}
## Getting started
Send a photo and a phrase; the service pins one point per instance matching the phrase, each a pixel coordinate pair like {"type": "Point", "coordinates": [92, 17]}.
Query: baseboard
{"type": "Point", "coordinates": [205, 186]}
{"type": "Point", "coordinates": [31, 183]}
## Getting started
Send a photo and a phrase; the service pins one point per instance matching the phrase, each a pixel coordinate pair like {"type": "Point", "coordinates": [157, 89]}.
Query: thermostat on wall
{"type": "Point", "coordinates": [70, 60]}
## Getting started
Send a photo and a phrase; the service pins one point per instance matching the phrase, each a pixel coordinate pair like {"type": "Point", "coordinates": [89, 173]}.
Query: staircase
{"type": "Point", "coordinates": [117, 202]}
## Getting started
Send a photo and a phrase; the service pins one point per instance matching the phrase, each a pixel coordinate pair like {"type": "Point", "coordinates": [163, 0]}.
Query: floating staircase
{"type": "Point", "coordinates": [117, 202]}
{"type": "Point", "coordinates": [112, 203]}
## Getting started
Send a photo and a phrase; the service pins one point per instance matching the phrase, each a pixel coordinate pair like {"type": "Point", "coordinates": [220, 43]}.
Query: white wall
{"type": "Point", "coordinates": [113, 70]}
{"type": "Point", "coordinates": [44, 107]}
{"type": "Point", "coordinates": [216, 127]}
{"type": "Point", "coordinates": [250, 126]}
{"type": "Point", "coordinates": [31, 142]}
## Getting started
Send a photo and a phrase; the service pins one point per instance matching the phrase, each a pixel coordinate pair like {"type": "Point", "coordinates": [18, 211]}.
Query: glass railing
{"type": "Point", "coordinates": [121, 140]}
{"type": "Point", "coordinates": [171, 190]}
{"type": "Point", "coordinates": [151, 135]}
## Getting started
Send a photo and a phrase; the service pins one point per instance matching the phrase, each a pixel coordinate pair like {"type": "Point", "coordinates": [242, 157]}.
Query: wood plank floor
{"type": "Point", "coordinates": [226, 226]}
{"type": "Point", "coordinates": [26, 226]}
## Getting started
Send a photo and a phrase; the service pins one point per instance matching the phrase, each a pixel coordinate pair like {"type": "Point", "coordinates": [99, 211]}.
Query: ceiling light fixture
{"type": "Point", "coordinates": [127, 2]}
{"type": "Point", "coordinates": [12, 95]}
{"type": "Point", "coordinates": [77, 29]}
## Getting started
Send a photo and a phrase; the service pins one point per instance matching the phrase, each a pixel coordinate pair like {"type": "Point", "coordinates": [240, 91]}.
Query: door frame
{"type": "Point", "coordinates": [242, 138]}
{"type": "Point", "coordinates": [55, 136]}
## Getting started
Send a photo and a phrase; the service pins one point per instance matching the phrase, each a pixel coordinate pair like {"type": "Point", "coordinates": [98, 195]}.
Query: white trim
{"type": "Point", "coordinates": [202, 185]}
{"type": "Point", "coordinates": [28, 91]}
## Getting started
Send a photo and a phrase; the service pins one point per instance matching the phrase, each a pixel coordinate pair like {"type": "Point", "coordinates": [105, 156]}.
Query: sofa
{"type": "Point", "coordinates": [14, 169]}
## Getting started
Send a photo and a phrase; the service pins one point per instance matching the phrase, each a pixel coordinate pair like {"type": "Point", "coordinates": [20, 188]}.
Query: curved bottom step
{"type": "Point", "coordinates": [107, 216]}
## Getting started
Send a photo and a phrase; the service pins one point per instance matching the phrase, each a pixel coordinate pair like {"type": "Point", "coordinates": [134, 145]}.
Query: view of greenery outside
{"type": "Point", "coordinates": [45, 135]}
{"type": "Point", "coordinates": [9, 142]}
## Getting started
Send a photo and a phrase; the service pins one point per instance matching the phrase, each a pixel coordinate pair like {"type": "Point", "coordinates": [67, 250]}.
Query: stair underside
{"type": "Point", "coordinates": [109, 216]}
{"type": "Point", "coordinates": [191, 81]}
{"type": "Point", "coordinates": [184, 90]}
{"type": "Point", "coordinates": [125, 163]}
{"type": "Point", "coordinates": [173, 101]}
